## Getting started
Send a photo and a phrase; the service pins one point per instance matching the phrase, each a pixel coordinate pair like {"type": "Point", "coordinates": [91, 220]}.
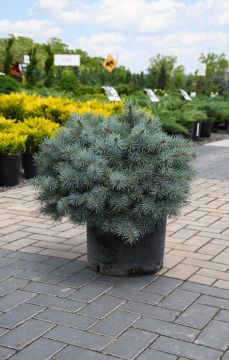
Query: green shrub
{"type": "Point", "coordinates": [120, 174]}
{"type": "Point", "coordinates": [68, 83]}
{"type": "Point", "coordinates": [8, 85]}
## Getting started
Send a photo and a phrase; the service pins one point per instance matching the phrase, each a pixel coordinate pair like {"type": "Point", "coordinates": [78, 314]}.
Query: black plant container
{"type": "Point", "coordinates": [215, 127]}
{"type": "Point", "coordinates": [205, 130]}
{"type": "Point", "coordinates": [195, 131]}
{"type": "Point", "coordinates": [9, 170]}
{"type": "Point", "coordinates": [110, 254]}
{"type": "Point", "coordinates": [29, 165]}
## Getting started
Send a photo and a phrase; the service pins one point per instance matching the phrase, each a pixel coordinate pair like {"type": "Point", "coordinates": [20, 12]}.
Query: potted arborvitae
{"type": "Point", "coordinates": [122, 177]}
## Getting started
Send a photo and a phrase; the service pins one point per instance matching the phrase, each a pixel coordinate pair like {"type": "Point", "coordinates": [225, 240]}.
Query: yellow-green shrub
{"type": "Point", "coordinates": [35, 130]}
{"type": "Point", "coordinates": [6, 124]}
{"type": "Point", "coordinates": [11, 143]}
{"type": "Point", "coordinates": [19, 106]}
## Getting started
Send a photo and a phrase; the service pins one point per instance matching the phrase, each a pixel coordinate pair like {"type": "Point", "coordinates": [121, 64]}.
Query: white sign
{"type": "Point", "coordinates": [26, 59]}
{"type": "Point", "coordinates": [185, 95]}
{"type": "Point", "coordinates": [66, 60]}
{"type": "Point", "coordinates": [193, 94]}
{"type": "Point", "coordinates": [151, 95]}
{"type": "Point", "coordinates": [202, 70]}
{"type": "Point", "coordinates": [111, 93]}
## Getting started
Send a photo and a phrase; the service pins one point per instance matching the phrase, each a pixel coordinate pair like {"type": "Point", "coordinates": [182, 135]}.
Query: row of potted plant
{"type": "Point", "coordinates": [18, 144]}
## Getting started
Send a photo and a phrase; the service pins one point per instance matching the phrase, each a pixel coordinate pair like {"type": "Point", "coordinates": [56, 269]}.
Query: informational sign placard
{"type": "Point", "coordinates": [111, 93]}
{"type": "Point", "coordinates": [193, 94]}
{"type": "Point", "coordinates": [185, 95]}
{"type": "Point", "coordinates": [23, 67]}
{"type": "Point", "coordinates": [151, 95]}
{"type": "Point", "coordinates": [66, 60]}
{"type": "Point", "coordinates": [26, 59]}
{"type": "Point", "coordinates": [109, 63]}
{"type": "Point", "coordinates": [202, 70]}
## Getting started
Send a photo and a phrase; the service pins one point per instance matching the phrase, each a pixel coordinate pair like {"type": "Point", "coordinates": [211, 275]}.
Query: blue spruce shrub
{"type": "Point", "coordinates": [121, 174]}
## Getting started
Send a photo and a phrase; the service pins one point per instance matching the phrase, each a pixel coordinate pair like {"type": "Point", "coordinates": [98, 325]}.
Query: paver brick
{"type": "Point", "coordinates": [150, 310]}
{"type": "Point", "coordinates": [57, 303]}
{"type": "Point", "coordinates": [19, 314]}
{"type": "Point", "coordinates": [101, 306]}
{"type": "Point", "coordinates": [78, 337]}
{"type": "Point", "coordinates": [214, 301]}
{"type": "Point", "coordinates": [223, 315]}
{"type": "Point", "coordinates": [70, 268]}
{"type": "Point", "coordinates": [204, 289]}
{"type": "Point", "coordinates": [90, 291]}
{"type": "Point", "coordinates": [163, 285]}
{"type": "Point", "coordinates": [39, 350]}
{"type": "Point", "coordinates": [168, 329]}
{"type": "Point", "coordinates": [75, 353]}
{"type": "Point", "coordinates": [11, 284]}
{"type": "Point", "coordinates": [5, 353]}
{"type": "Point", "coordinates": [49, 278]}
{"type": "Point", "coordinates": [134, 295]}
{"type": "Point", "coordinates": [200, 279]}
{"type": "Point", "coordinates": [24, 334]}
{"type": "Point", "coordinates": [37, 266]}
{"type": "Point", "coordinates": [8, 271]}
{"type": "Point", "coordinates": [80, 279]}
{"type": "Point", "coordinates": [182, 271]}
{"type": "Point", "coordinates": [65, 318]}
{"type": "Point", "coordinates": [114, 323]}
{"type": "Point", "coordinates": [13, 299]}
{"type": "Point", "coordinates": [178, 299]}
{"type": "Point", "coordinates": [135, 283]}
{"type": "Point", "coordinates": [151, 354]}
{"type": "Point", "coordinates": [186, 349]}
{"type": "Point", "coordinates": [126, 348]}
{"type": "Point", "coordinates": [48, 289]}
{"type": "Point", "coordinates": [216, 335]}
{"type": "Point", "coordinates": [196, 316]}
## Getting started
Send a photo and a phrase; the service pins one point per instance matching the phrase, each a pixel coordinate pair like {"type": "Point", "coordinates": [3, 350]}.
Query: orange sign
{"type": "Point", "coordinates": [109, 63]}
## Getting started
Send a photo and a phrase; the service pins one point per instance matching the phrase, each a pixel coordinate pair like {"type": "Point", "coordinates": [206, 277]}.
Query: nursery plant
{"type": "Point", "coordinates": [123, 177]}
{"type": "Point", "coordinates": [11, 144]}
{"type": "Point", "coordinates": [35, 130]}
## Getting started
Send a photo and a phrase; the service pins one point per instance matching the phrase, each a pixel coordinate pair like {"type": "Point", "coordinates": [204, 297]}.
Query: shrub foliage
{"type": "Point", "coordinates": [121, 174]}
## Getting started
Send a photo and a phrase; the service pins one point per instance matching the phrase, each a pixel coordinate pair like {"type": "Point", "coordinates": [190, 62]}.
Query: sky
{"type": "Point", "coordinates": [133, 31]}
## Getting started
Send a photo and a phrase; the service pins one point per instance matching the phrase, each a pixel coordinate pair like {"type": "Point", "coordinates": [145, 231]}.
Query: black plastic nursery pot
{"type": "Point", "coordinates": [206, 129]}
{"type": "Point", "coordinates": [195, 131]}
{"type": "Point", "coordinates": [109, 254]}
{"type": "Point", "coordinates": [9, 170]}
{"type": "Point", "coordinates": [29, 165]}
{"type": "Point", "coordinates": [215, 127]}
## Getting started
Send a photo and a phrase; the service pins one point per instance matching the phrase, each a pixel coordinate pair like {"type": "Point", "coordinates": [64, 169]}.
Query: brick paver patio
{"type": "Point", "coordinates": [53, 307]}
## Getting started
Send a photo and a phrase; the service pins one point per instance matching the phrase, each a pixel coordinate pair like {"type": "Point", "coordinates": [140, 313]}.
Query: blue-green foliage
{"type": "Point", "coordinates": [121, 174]}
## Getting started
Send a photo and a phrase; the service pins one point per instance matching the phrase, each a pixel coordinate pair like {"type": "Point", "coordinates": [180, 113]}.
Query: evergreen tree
{"type": "Point", "coordinates": [32, 72]}
{"type": "Point", "coordinates": [162, 83]}
{"type": "Point", "coordinates": [8, 60]}
{"type": "Point", "coordinates": [121, 174]}
{"type": "Point", "coordinates": [49, 66]}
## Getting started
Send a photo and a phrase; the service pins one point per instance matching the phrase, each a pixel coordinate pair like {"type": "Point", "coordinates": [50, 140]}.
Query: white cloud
{"type": "Point", "coordinates": [102, 44]}
{"type": "Point", "coordinates": [133, 30]}
{"type": "Point", "coordinates": [38, 29]}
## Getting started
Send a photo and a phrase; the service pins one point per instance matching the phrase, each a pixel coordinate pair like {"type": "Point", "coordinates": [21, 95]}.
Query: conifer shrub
{"type": "Point", "coordinates": [121, 174]}
{"type": "Point", "coordinates": [8, 85]}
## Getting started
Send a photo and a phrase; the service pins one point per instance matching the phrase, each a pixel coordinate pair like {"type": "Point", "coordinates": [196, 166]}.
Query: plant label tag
{"type": "Point", "coordinates": [151, 95]}
{"type": "Point", "coordinates": [111, 93]}
{"type": "Point", "coordinates": [185, 95]}
{"type": "Point", "coordinates": [198, 129]}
